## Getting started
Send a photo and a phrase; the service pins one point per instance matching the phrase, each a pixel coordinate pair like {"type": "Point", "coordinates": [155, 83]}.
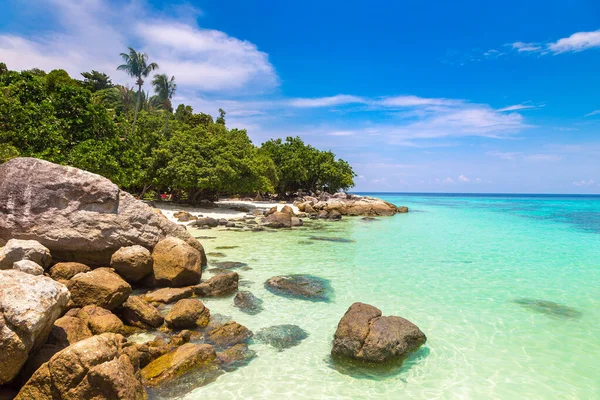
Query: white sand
{"type": "Point", "coordinates": [224, 209]}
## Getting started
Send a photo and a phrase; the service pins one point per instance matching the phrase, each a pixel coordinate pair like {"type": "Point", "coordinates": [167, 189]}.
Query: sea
{"type": "Point", "coordinates": [505, 287]}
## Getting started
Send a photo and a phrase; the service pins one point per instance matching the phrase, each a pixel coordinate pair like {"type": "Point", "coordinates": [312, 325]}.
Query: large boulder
{"type": "Point", "coordinates": [29, 267]}
{"type": "Point", "coordinates": [95, 368]}
{"type": "Point", "coordinates": [78, 215]}
{"type": "Point", "coordinates": [29, 305]}
{"type": "Point", "coordinates": [169, 295]}
{"type": "Point", "coordinates": [68, 330]}
{"type": "Point", "coordinates": [100, 320]}
{"type": "Point", "coordinates": [180, 361]}
{"type": "Point", "coordinates": [188, 314]}
{"type": "Point", "coordinates": [16, 250]}
{"type": "Point", "coordinates": [363, 334]}
{"type": "Point", "coordinates": [176, 263]}
{"type": "Point", "coordinates": [219, 285]}
{"type": "Point", "coordinates": [132, 262]}
{"type": "Point", "coordinates": [67, 270]}
{"type": "Point", "coordinates": [137, 312]}
{"type": "Point", "coordinates": [101, 287]}
{"type": "Point", "coordinates": [278, 220]}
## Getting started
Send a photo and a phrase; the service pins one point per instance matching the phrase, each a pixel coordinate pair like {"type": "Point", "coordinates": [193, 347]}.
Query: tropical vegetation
{"type": "Point", "coordinates": [144, 144]}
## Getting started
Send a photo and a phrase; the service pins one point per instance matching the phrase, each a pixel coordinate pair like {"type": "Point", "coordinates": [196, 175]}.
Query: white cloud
{"type": "Point", "coordinates": [91, 34]}
{"type": "Point", "coordinates": [378, 180]}
{"type": "Point", "coordinates": [542, 157]}
{"type": "Point", "coordinates": [463, 178]}
{"type": "Point", "coordinates": [523, 156]}
{"type": "Point", "coordinates": [415, 101]}
{"type": "Point", "coordinates": [595, 112]}
{"type": "Point", "coordinates": [448, 180]}
{"type": "Point", "coordinates": [478, 180]}
{"type": "Point", "coordinates": [576, 42]}
{"type": "Point", "coordinates": [588, 183]}
{"type": "Point", "coordinates": [339, 99]}
{"type": "Point", "coordinates": [518, 107]}
{"type": "Point", "coordinates": [503, 155]}
{"type": "Point", "coordinates": [341, 133]}
{"type": "Point", "coordinates": [526, 47]}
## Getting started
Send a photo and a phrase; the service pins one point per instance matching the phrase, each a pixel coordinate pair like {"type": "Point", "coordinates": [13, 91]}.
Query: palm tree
{"type": "Point", "coordinates": [136, 65]}
{"type": "Point", "coordinates": [165, 89]}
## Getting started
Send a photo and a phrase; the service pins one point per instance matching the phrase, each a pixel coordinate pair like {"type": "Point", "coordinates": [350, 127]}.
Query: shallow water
{"type": "Point", "coordinates": [505, 288]}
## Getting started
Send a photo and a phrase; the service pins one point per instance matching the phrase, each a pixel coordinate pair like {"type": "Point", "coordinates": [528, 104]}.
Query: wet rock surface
{"type": "Point", "coordinates": [187, 314]}
{"type": "Point", "coordinates": [305, 287]}
{"type": "Point", "coordinates": [248, 303]}
{"type": "Point", "coordinates": [101, 287]}
{"type": "Point", "coordinates": [281, 337]}
{"type": "Point", "coordinates": [222, 284]}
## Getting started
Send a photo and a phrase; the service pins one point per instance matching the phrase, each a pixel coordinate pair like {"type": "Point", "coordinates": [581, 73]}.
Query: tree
{"type": "Point", "coordinates": [136, 65]}
{"type": "Point", "coordinates": [165, 89]}
{"type": "Point", "coordinates": [221, 118]}
{"type": "Point", "coordinates": [95, 81]}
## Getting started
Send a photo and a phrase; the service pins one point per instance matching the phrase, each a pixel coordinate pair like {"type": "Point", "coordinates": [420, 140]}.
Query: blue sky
{"type": "Point", "coordinates": [418, 96]}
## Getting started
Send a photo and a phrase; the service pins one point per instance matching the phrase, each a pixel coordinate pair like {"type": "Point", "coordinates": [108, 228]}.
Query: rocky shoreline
{"type": "Point", "coordinates": [85, 265]}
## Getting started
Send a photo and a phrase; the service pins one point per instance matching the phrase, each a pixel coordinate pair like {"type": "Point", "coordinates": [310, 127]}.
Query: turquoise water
{"type": "Point", "coordinates": [455, 266]}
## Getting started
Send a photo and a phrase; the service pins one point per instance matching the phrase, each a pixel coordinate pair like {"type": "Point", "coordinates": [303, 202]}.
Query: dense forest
{"type": "Point", "coordinates": [139, 141]}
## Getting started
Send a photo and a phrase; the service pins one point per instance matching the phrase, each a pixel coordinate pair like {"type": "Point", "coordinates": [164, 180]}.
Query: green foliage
{"type": "Point", "coordinates": [302, 167]}
{"type": "Point", "coordinates": [87, 124]}
{"type": "Point", "coordinates": [94, 81]}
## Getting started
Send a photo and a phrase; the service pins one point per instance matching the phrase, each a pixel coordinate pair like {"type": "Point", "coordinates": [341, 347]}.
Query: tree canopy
{"type": "Point", "coordinates": [87, 124]}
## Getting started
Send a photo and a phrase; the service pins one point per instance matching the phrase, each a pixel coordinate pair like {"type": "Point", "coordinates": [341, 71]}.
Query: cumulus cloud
{"type": "Point", "coordinates": [463, 178]}
{"type": "Point", "coordinates": [576, 42]}
{"type": "Point", "coordinates": [91, 34]}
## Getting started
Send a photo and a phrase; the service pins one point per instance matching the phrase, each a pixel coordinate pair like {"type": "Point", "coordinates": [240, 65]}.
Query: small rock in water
{"type": "Point", "coordinates": [281, 337]}
{"type": "Point", "coordinates": [229, 264]}
{"type": "Point", "coordinates": [549, 308]}
{"type": "Point", "coordinates": [248, 303]}
{"type": "Point", "coordinates": [331, 239]}
{"type": "Point", "coordinates": [305, 287]}
{"type": "Point", "coordinates": [369, 219]}
{"type": "Point", "coordinates": [215, 254]}
{"type": "Point", "coordinates": [226, 247]}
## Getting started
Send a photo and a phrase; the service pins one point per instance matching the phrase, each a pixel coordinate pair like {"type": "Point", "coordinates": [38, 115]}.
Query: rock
{"type": "Point", "coordinates": [67, 270]}
{"type": "Point", "coordinates": [369, 219]}
{"type": "Point", "coordinates": [29, 267]}
{"type": "Point", "coordinates": [402, 210]}
{"type": "Point", "coordinates": [223, 222]}
{"type": "Point", "coordinates": [95, 368]}
{"type": "Point", "coordinates": [137, 312]}
{"type": "Point", "coordinates": [363, 334]}
{"type": "Point", "coordinates": [180, 361]}
{"type": "Point", "coordinates": [29, 305]}
{"type": "Point", "coordinates": [235, 356]}
{"type": "Point", "coordinates": [229, 334]}
{"type": "Point", "coordinates": [305, 287]}
{"type": "Point", "coordinates": [229, 264]}
{"type": "Point", "coordinates": [281, 336]}
{"type": "Point", "coordinates": [335, 215]}
{"type": "Point", "coordinates": [183, 216]}
{"type": "Point", "coordinates": [206, 221]}
{"type": "Point", "coordinates": [176, 263]}
{"type": "Point", "coordinates": [324, 196]}
{"type": "Point", "coordinates": [287, 210]}
{"type": "Point", "coordinates": [331, 239]}
{"type": "Point", "coordinates": [16, 250]}
{"type": "Point", "coordinates": [101, 287]}
{"type": "Point", "coordinates": [278, 220]}
{"type": "Point", "coordinates": [100, 320]}
{"type": "Point", "coordinates": [248, 303]}
{"type": "Point", "coordinates": [188, 314]}
{"type": "Point", "coordinates": [270, 211]}
{"type": "Point", "coordinates": [78, 215]}
{"type": "Point", "coordinates": [340, 195]}
{"type": "Point", "coordinates": [218, 285]}
{"type": "Point", "coordinates": [132, 262]}
{"type": "Point", "coordinates": [68, 330]}
{"type": "Point", "coordinates": [168, 295]}
{"type": "Point", "coordinates": [308, 208]}
{"type": "Point", "coordinates": [297, 222]}
{"type": "Point", "coordinates": [230, 224]}
{"type": "Point", "coordinates": [323, 214]}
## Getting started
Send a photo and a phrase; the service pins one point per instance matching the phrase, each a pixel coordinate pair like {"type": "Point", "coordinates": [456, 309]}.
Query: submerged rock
{"type": "Point", "coordinates": [235, 356]}
{"type": "Point", "coordinates": [219, 285]}
{"type": "Point", "coordinates": [549, 308]}
{"type": "Point", "coordinates": [77, 215]}
{"type": "Point", "coordinates": [248, 303]}
{"type": "Point", "coordinates": [363, 334]}
{"type": "Point", "coordinates": [226, 247]}
{"type": "Point", "coordinates": [305, 287]}
{"type": "Point", "coordinates": [29, 305]}
{"type": "Point", "coordinates": [229, 334]}
{"type": "Point", "coordinates": [180, 361]}
{"type": "Point", "coordinates": [281, 336]}
{"type": "Point", "coordinates": [215, 254]}
{"type": "Point", "coordinates": [331, 239]}
{"type": "Point", "coordinates": [229, 264]}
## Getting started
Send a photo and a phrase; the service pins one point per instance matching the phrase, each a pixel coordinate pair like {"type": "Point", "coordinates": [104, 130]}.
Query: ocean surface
{"type": "Point", "coordinates": [506, 288]}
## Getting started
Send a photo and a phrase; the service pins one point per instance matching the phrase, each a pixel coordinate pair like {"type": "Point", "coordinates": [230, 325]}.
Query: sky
{"type": "Point", "coordinates": [419, 96]}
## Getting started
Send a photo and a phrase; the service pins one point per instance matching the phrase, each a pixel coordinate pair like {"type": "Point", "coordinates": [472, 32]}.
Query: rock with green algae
{"type": "Point", "coordinates": [229, 334]}
{"type": "Point", "coordinates": [178, 362]}
{"type": "Point", "coordinates": [188, 314]}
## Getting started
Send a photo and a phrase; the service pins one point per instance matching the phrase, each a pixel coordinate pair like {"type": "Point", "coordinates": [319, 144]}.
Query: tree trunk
{"type": "Point", "coordinates": [137, 107]}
